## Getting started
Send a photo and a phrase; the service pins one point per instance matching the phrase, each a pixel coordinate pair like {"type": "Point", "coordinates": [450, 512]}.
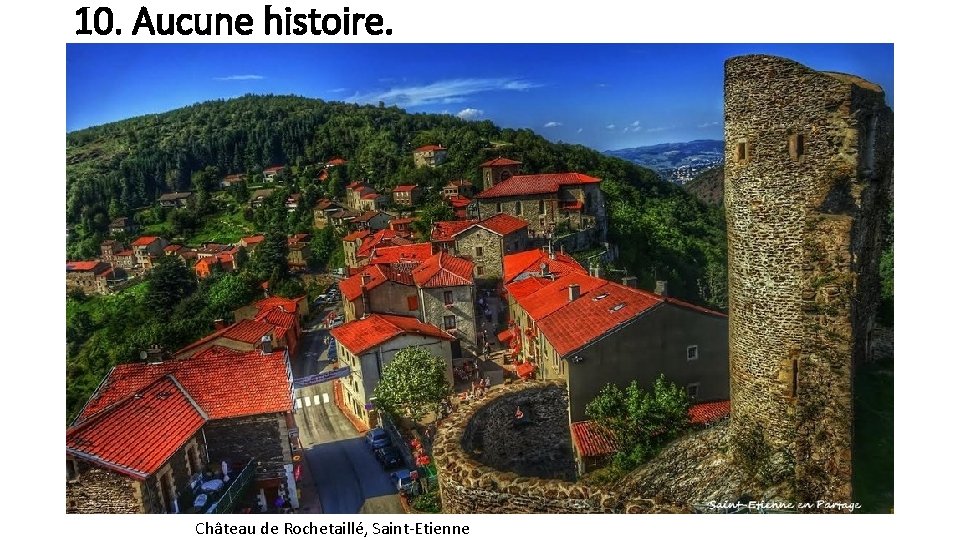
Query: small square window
{"type": "Point", "coordinates": [479, 251]}
{"type": "Point", "coordinates": [693, 391]}
{"type": "Point", "coordinates": [449, 322]}
{"type": "Point", "coordinates": [479, 270]}
{"type": "Point", "coordinates": [795, 146]}
{"type": "Point", "coordinates": [742, 152]}
{"type": "Point", "coordinates": [448, 297]}
{"type": "Point", "coordinates": [693, 353]}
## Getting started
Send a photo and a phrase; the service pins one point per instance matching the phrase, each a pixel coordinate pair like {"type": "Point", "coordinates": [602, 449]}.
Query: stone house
{"type": "Point", "coordinates": [352, 243]}
{"type": "Point", "coordinates": [91, 277]}
{"type": "Point", "coordinates": [497, 170]}
{"type": "Point", "coordinates": [402, 226]}
{"type": "Point", "coordinates": [380, 288]}
{"type": "Point", "coordinates": [177, 199]}
{"type": "Point", "coordinates": [368, 345]}
{"type": "Point", "coordinates": [407, 195]}
{"type": "Point", "coordinates": [458, 188]}
{"type": "Point", "coordinates": [590, 332]}
{"type": "Point", "coordinates": [487, 242]}
{"type": "Point", "coordinates": [373, 220]}
{"type": "Point", "coordinates": [146, 248]}
{"type": "Point", "coordinates": [259, 334]}
{"type": "Point", "coordinates": [222, 261]}
{"type": "Point", "coordinates": [109, 250]}
{"type": "Point", "coordinates": [259, 197]}
{"type": "Point", "coordinates": [358, 192]}
{"type": "Point", "coordinates": [567, 206]}
{"type": "Point", "coordinates": [429, 155]}
{"type": "Point", "coordinates": [298, 250]}
{"type": "Point", "coordinates": [372, 202]}
{"type": "Point", "coordinates": [125, 259]}
{"type": "Point", "coordinates": [380, 239]}
{"type": "Point", "coordinates": [442, 234]}
{"type": "Point", "coordinates": [232, 180]}
{"type": "Point", "coordinates": [461, 207]}
{"type": "Point", "coordinates": [250, 243]}
{"type": "Point", "coordinates": [546, 263]}
{"type": "Point", "coordinates": [144, 437]}
{"type": "Point", "coordinates": [122, 225]}
{"type": "Point", "coordinates": [448, 298]}
{"type": "Point", "coordinates": [343, 217]}
{"type": "Point", "coordinates": [322, 211]}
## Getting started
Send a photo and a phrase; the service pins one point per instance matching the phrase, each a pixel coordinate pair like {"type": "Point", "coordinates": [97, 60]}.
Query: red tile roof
{"type": "Point", "coordinates": [502, 224]}
{"type": "Point", "coordinates": [709, 412]}
{"type": "Point", "coordinates": [430, 148]}
{"type": "Point", "coordinates": [278, 317]}
{"type": "Point", "coordinates": [336, 161]}
{"type": "Point", "coordinates": [521, 288]}
{"type": "Point", "coordinates": [248, 331]}
{"type": "Point", "coordinates": [459, 183]}
{"type": "Point", "coordinates": [371, 196]}
{"type": "Point", "coordinates": [381, 238]}
{"type": "Point", "coordinates": [593, 440]}
{"type": "Point", "coordinates": [225, 386]}
{"type": "Point", "coordinates": [356, 235]}
{"type": "Point", "coordinates": [401, 221]}
{"type": "Point", "coordinates": [216, 350]}
{"type": "Point", "coordinates": [352, 287]}
{"type": "Point", "coordinates": [368, 215]}
{"type": "Point", "coordinates": [172, 248]}
{"type": "Point", "coordinates": [140, 432]}
{"type": "Point", "coordinates": [407, 253]}
{"type": "Point", "coordinates": [145, 240]}
{"type": "Point", "coordinates": [404, 188]}
{"type": "Point", "coordinates": [298, 238]}
{"type": "Point", "coordinates": [444, 270]}
{"type": "Point", "coordinates": [444, 231]}
{"type": "Point", "coordinates": [529, 262]}
{"type": "Point", "coordinates": [288, 305]}
{"type": "Point", "coordinates": [536, 184]}
{"type": "Point", "coordinates": [594, 315]}
{"type": "Point", "coordinates": [556, 295]}
{"type": "Point", "coordinates": [500, 161]}
{"type": "Point", "coordinates": [323, 204]}
{"type": "Point", "coordinates": [82, 266]}
{"type": "Point", "coordinates": [275, 168]}
{"type": "Point", "coordinates": [125, 253]}
{"type": "Point", "coordinates": [459, 201]}
{"type": "Point", "coordinates": [255, 239]}
{"type": "Point", "coordinates": [365, 334]}
{"type": "Point", "coordinates": [571, 205]}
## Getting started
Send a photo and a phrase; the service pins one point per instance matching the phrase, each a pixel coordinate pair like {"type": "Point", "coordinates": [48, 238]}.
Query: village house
{"type": "Point", "coordinates": [109, 250]}
{"type": "Point", "coordinates": [429, 155]}
{"type": "Point", "coordinates": [177, 199]}
{"type": "Point", "coordinates": [352, 243]}
{"type": "Point", "coordinates": [146, 248]}
{"type": "Point", "coordinates": [155, 435]}
{"type": "Point", "coordinates": [372, 202]}
{"type": "Point", "coordinates": [567, 207]}
{"type": "Point", "coordinates": [260, 197]}
{"type": "Point", "coordinates": [250, 243]}
{"type": "Point", "coordinates": [447, 298]}
{"type": "Point", "coordinates": [223, 261]}
{"type": "Point", "coordinates": [381, 288]}
{"type": "Point", "coordinates": [272, 327]}
{"type": "Point", "coordinates": [342, 218]}
{"type": "Point", "coordinates": [299, 306]}
{"type": "Point", "coordinates": [488, 241]}
{"type": "Point", "coordinates": [402, 226]}
{"type": "Point", "coordinates": [270, 173]}
{"type": "Point", "coordinates": [361, 196]}
{"type": "Point", "coordinates": [546, 262]}
{"type": "Point", "coordinates": [322, 211]}
{"type": "Point", "coordinates": [232, 180]}
{"type": "Point", "coordinates": [122, 225]}
{"type": "Point", "coordinates": [368, 345]}
{"type": "Point", "coordinates": [407, 195]}
{"type": "Point", "coordinates": [91, 277]}
{"type": "Point", "coordinates": [442, 234]}
{"type": "Point", "coordinates": [590, 332]}
{"type": "Point", "coordinates": [458, 188]}
{"type": "Point", "coordinates": [373, 220]}
{"type": "Point", "coordinates": [125, 259]}
{"type": "Point", "coordinates": [461, 207]}
{"type": "Point", "coordinates": [298, 251]}
{"type": "Point", "coordinates": [497, 170]}
{"type": "Point", "coordinates": [335, 162]}
{"type": "Point", "coordinates": [292, 202]}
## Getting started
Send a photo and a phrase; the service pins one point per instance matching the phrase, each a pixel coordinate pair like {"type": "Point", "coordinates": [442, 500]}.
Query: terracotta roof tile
{"type": "Point", "coordinates": [500, 161]}
{"type": "Point", "coordinates": [556, 294]}
{"type": "Point", "coordinates": [709, 412]}
{"type": "Point", "coordinates": [502, 224]}
{"type": "Point", "coordinates": [356, 235]}
{"type": "Point", "coordinates": [352, 287]}
{"type": "Point", "coordinates": [430, 148]}
{"type": "Point", "coordinates": [444, 231]}
{"type": "Point", "coordinates": [141, 431]}
{"type": "Point", "coordinates": [225, 386]}
{"type": "Point", "coordinates": [289, 305]}
{"type": "Point", "coordinates": [83, 266]}
{"type": "Point", "coordinates": [529, 261]}
{"type": "Point", "coordinates": [336, 161]}
{"type": "Point", "coordinates": [593, 440]}
{"type": "Point", "coordinates": [275, 168]}
{"type": "Point", "coordinates": [444, 270]}
{"type": "Point", "coordinates": [405, 188]}
{"type": "Point", "coordinates": [523, 287]}
{"type": "Point", "coordinates": [371, 196]}
{"type": "Point", "coordinates": [145, 240]}
{"type": "Point", "coordinates": [459, 201]}
{"type": "Point", "coordinates": [406, 253]}
{"type": "Point", "coordinates": [365, 334]}
{"type": "Point", "coordinates": [248, 331]}
{"type": "Point", "coordinates": [535, 184]}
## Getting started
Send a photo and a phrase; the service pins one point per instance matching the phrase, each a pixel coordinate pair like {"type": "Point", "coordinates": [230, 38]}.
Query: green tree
{"type": "Point", "coordinates": [641, 421]}
{"type": "Point", "coordinates": [169, 282]}
{"type": "Point", "coordinates": [413, 384]}
{"type": "Point", "coordinates": [270, 258]}
{"type": "Point", "coordinates": [229, 292]}
{"type": "Point", "coordinates": [322, 246]}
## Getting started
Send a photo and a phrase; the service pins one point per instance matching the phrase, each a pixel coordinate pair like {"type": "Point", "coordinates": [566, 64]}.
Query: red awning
{"type": "Point", "coordinates": [526, 369]}
{"type": "Point", "coordinates": [505, 336]}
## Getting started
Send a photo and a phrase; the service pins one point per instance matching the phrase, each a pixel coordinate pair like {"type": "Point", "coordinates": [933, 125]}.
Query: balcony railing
{"type": "Point", "coordinates": [234, 493]}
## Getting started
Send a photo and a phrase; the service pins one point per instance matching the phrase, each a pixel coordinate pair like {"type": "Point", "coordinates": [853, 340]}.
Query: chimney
{"type": "Point", "coordinates": [266, 345]}
{"type": "Point", "coordinates": [574, 292]}
{"type": "Point", "coordinates": [630, 281]}
{"type": "Point", "coordinates": [219, 324]}
{"type": "Point", "coordinates": [154, 354]}
{"type": "Point", "coordinates": [662, 288]}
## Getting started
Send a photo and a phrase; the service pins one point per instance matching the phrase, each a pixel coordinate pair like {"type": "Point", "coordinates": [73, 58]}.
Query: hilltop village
{"type": "Point", "coordinates": [475, 353]}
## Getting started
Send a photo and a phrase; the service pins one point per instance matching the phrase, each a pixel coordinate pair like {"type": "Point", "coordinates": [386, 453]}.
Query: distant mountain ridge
{"type": "Point", "coordinates": [675, 162]}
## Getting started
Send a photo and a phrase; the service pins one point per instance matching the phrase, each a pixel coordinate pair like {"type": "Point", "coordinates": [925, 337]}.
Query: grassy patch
{"type": "Point", "coordinates": [873, 442]}
{"type": "Point", "coordinates": [225, 228]}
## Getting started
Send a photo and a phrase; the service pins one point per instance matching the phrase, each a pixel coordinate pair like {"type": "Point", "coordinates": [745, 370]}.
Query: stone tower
{"type": "Point", "coordinates": [807, 180]}
{"type": "Point", "coordinates": [497, 170]}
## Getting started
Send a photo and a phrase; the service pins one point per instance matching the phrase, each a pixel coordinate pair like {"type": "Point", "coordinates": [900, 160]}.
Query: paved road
{"type": "Point", "coordinates": [347, 477]}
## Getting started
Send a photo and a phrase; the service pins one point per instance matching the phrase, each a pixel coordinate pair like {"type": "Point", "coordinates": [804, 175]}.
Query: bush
{"type": "Point", "coordinates": [428, 503]}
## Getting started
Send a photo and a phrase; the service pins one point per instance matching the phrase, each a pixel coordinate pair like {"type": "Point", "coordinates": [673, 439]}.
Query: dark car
{"type": "Point", "coordinates": [377, 438]}
{"type": "Point", "coordinates": [389, 457]}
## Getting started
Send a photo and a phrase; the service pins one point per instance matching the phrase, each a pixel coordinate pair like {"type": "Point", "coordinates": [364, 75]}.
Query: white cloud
{"type": "Point", "coordinates": [602, 85]}
{"type": "Point", "coordinates": [552, 124]}
{"type": "Point", "coordinates": [338, 90]}
{"type": "Point", "coordinates": [611, 126]}
{"type": "Point", "coordinates": [469, 114]}
{"type": "Point", "coordinates": [580, 130]}
{"type": "Point", "coordinates": [659, 128]}
{"type": "Point", "coordinates": [446, 91]}
{"type": "Point", "coordinates": [240, 78]}
{"type": "Point", "coordinates": [635, 123]}
{"type": "Point", "coordinates": [708, 124]}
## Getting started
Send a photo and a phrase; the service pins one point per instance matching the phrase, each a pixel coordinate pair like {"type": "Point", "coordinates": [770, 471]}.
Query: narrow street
{"type": "Point", "coordinates": [346, 475]}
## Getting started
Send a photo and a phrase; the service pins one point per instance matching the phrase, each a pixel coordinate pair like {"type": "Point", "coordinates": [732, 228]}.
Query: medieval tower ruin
{"type": "Point", "coordinates": [808, 173]}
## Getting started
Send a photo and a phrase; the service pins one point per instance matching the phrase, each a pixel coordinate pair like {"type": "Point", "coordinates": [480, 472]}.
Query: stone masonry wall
{"type": "Point", "coordinates": [101, 491]}
{"type": "Point", "coordinates": [807, 172]}
{"type": "Point", "coordinates": [435, 309]}
{"type": "Point", "coordinates": [259, 437]}
{"type": "Point", "coordinates": [491, 262]}
{"type": "Point", "coordinates": [468, 486]}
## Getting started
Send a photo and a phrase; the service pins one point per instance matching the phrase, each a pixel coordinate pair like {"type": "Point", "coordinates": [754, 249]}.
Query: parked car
{"type": "Point", "coordinates": [405, 482]}
{"type": "Point", "coordinates": [377, 438]}
{"type": "Point", "coordinates": [389, 457]}
{"type": "Point", "coordinates": [322, 299]}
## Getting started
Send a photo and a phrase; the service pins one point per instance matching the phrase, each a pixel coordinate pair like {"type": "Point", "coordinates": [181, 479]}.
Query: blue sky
{"type": "Point", "coordinates": [605, 96]}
